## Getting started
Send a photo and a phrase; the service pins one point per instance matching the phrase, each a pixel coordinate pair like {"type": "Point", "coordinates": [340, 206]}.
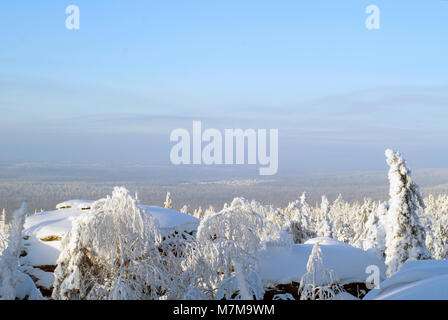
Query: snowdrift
{"type": "Point", "coordinates": [417, 280]}
{"type": "Point", "coordinates": [283, 265]}
{"type": "Point", "coordinates": [171, 220]}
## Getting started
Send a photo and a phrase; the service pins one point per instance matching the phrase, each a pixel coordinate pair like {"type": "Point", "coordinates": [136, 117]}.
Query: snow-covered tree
{"type": "Point", "coordinates": [198, 213]}
{"type": "Point", "coordinates": [374, 233]}
{"type": "Point", "coordinates": [299, 224]}
{"type": "Point", "coordinates": [184, 209]}
{"type": "Point", "coordinates": [3, 215]}
{"type": "Point", "coordinates": [325, 227]}
{"type": "Point", "coordinates": [437, 241]}
{"type": "Point", "coordinates": [318, 283]}
{"type": "Point", "coordinates": [405, 238]}
{"type": "Point", "coordinates": [209, 211]}
{"type": "Point", "coordinates": [360, 224]}
{"type": "Point", "coordinates": [168, 202]}
{"type": "Point", "coordinates": [10, 276]}
{"type": "Point", "coordinates": [113, 252]}
{"type": "Point", "coordinates": [4, 231]}
{"type": "Point", "coordinates": [225, 253]}
{"type": "Point", "coordinates": [436, 226]}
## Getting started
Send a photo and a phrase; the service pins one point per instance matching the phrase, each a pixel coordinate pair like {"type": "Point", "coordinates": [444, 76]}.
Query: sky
{"type": "Point", "coordinates": [113, 90]}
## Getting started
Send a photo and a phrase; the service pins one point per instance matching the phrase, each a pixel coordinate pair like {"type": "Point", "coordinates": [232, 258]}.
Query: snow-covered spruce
{"type": "Point", "coordinates": [299, 224]}
{"type": "Point", "coordinates": [168, 202]}
{"type": "Point", "coordinates": [405, 238]}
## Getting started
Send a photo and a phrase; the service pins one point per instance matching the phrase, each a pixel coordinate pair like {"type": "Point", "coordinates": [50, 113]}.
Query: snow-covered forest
{"type": "Point", "coordinates": [120, 248]}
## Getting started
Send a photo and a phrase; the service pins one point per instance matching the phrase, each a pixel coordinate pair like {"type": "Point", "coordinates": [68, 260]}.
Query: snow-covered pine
{"type": "Point", "coordinates": [112, 252]}
{"type": "Point", "coordinates": [3, 215]}
{"type": "Point", "coordinates": [325, 227]}
{"type": "Point", "coordinates": [184, 209]}
{"type": "Point", "coordinates": [307, 216]}
{"type": "Point", "coordinates": [318, 283]}
{"type": "Point", "coordinates": [4, 231]}
{"type": "Point", "coordinates": [405, 237]}
{"type": "Point", "coordinates": [10, 253]}
{"type": "Point", "coordinates": [359, 227]}
{"type": "Point", "coordinates": [437, 241]}
{"type": "Point", "coordinates": [274, 225]}
{"type": "Point", "coordinates": [168, 202]}
{"type": "Point", "coordinates": [339, 214]}
{"type": "Point", "coordinates": [198, 213]}
{"type": "Point", "coordinates": [209, 211]}
{"type": "Point", "coordinates": [374, 233]}
{"type": "Point", "coordinates": [299, 224]}
{"type": "Point", "coordinates": [436, 225]}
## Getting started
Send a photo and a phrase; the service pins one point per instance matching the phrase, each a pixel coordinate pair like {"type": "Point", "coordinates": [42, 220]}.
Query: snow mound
{"type": "Point", "coordinates": [416, 280]}
{"type": "Point", "coordinates": [50, 223]}
{"type": "Point", "coordinates": [26, 290]}
{"type": "Point", "coordinates": [172, 219]}
{"type": "Point", "coordinates": [75, 204]}
{"type": "Point", "coordinates": [344, 296]}
{"type": "Point", "coordinates": [282, 265]}
{"type": "Point", "coordinates": [326, 241]}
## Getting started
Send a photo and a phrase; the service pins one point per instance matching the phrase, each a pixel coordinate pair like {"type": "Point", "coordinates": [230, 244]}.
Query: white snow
{"type": "Point", "coordinates": [283, 264]}
{"type": "Point", "coordinates": [172, 219]}
{"type": "Point", "coordinates": [344, 296]}
{"type": "Point", "coordinates": [25, 288]}
{"type": "Point", "coordinates": [417, 280]}
{"type": "Point", "coordinates": [51, 223]}
{"type": "Point", "coordinates": [326, 241]}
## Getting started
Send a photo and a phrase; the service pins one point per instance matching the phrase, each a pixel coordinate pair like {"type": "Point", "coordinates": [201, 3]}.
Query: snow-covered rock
{"type": "Point", "coordinates": [281, 265]}
{"type": "Point", "coordinates": [75, 204]}
{"type": "Point", "coordinates": [416, 280]}
{"type": "Point", "coordinates": [44, 231]}
{"type": "Point", "coordinates": [169, 219]}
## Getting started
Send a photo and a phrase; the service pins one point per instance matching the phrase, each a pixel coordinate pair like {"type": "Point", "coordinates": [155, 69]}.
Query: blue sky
{"type": "Point", "coordinates": [339, 93]}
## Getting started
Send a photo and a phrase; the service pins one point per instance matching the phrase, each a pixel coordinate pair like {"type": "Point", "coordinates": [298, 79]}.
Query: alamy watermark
{"type": "Point", "coordinates": [72, 22]}
{"type": "Point", "coordinates": [373, 280]}
{"type": "Point", "coordinates": [373, 20]}
{"type": "Point", "coordinates": [232, 149]}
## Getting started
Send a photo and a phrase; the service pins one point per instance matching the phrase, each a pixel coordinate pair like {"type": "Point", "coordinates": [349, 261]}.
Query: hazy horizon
{"type": "Point", "coordinates": [43, 186]}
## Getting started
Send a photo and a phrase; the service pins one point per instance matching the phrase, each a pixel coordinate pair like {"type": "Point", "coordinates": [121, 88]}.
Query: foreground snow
{"type": "Point", "coordinates": [170, 220]}
{"type": "Point", "coordinates": [417, 280]}
{"type": "Point", "coordinates": [287, 264]}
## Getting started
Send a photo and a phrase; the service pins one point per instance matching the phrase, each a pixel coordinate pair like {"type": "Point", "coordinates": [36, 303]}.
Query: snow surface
{"type": "Point", "coordinates": [172, 219]}
{"type": "Point", "coordinates": [287, 264]}
{"type": "Point", "coordinates": [25, 288]}
{"type": "Point", "coordinates": [416, 280]}
{"type": "Point", "coordinates": [326, 241]}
